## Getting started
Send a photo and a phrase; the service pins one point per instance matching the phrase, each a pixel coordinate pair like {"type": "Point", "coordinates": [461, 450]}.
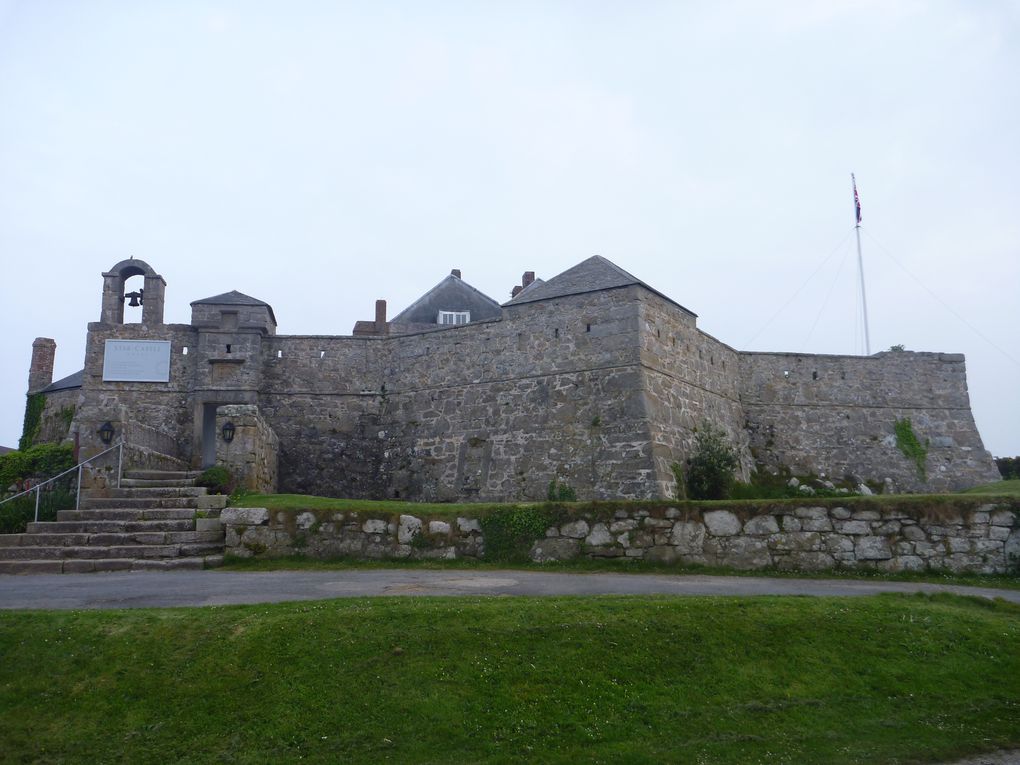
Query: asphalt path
{"type": "Point", "coordinates": [162, 589]}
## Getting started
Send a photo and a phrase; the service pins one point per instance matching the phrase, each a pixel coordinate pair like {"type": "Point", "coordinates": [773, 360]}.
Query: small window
{"type": "Point", "coordinates": [184, 351]}
{"type": "Point", "coordinates": [228, 347]}
{"type": "Point", "coordinates": [453, 317]}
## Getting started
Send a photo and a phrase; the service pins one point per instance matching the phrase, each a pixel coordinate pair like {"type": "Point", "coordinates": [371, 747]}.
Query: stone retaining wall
{"type": "Point", "coordinates": [962, 536]}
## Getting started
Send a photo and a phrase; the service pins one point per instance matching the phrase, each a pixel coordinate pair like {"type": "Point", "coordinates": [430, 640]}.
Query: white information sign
{"type": "Point", "coordinates": [136, 361]}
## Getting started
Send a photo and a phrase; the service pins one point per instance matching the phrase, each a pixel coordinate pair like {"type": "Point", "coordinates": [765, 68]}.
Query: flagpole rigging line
{"type": "Point", "coordinates": [944, 304]}
{"type": "Point", "coordinates": [798, 290]}
{"type": "Point", "coordinates": [860, 266]}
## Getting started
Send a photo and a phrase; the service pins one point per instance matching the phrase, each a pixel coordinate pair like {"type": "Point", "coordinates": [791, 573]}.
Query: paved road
{"type": "Point", "coordinates": [213, 588]}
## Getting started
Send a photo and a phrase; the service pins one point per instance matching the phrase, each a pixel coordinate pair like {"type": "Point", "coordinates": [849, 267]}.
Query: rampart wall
{"type": "Point", "coordinates": [601, 391]}
{"type": "Point", "coordinates": [690, 379]}
{"type": "Point", "coordinates": [836, 415]}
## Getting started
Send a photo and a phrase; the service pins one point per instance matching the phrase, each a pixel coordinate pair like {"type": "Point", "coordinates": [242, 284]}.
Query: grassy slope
{"type": "Point", "coordinates": [704, 680]}
{"type": "Point", "coordinates": [999, 488]}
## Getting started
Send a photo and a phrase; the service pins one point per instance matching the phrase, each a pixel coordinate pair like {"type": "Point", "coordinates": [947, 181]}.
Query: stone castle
{"type": "Point", "coordinates": [592, 379]}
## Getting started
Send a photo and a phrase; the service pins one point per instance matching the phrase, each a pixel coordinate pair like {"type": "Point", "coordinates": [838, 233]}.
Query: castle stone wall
{"type": "Point", "coordinates": [835, 415]}
{"type": "Point", "coordinates": [164, 407]}
{"type": "Point", "coordinates": [496, 411]}
{"type": "Point", "coordinates": [690, 379]}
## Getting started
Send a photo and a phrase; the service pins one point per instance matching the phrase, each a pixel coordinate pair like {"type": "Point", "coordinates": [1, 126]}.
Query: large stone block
{"type": "Point", "coordinates": [559, 548]}
{"type": "Point", "coordinates": [721, 523]}
{"type": "Point", "coordinates": [244, 516]}
{"type": "Point", "coordinates": [872, 548]}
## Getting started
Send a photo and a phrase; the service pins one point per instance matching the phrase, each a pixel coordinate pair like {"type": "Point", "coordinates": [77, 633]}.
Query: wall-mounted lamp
{"type": "Point", "coordinates": [106, 432]}
{"type": "Point", "coordinates": [228, 432]}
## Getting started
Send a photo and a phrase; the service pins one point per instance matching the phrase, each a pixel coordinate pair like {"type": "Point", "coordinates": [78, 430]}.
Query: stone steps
{"type": "Point", "coordinates": [139, 551]}
{"type": "Point", "coordinates": [128, 514]}
{"type": "Point", "coordinates": [115, 538]}
{"type": "Point", "coordinates": [151, 522]}
{"type": "Point", "coordinates": [147, 483]}
{"type": "Point", "coordinates": [156, 492]}
{"type": "Point", "coordinates": [162, 475]}
{"type": "Point", "coordinates": [107, 527]}
{"type": "Point", "coordinates": [88, 565]}
{"type": "Point", "coordinates": [97, 503]}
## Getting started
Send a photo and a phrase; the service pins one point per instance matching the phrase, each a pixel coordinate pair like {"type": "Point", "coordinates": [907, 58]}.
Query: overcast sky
{"type": "Point", "coordinates": [320, 155]}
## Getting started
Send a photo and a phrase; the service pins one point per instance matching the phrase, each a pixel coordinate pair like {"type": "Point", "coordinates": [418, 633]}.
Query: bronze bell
{"type": "Point", "coordinates": [135, 298]}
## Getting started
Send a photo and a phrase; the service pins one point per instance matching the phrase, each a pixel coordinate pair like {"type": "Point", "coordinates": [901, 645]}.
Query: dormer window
{"type": "Point", "coordinates": [453, 317]}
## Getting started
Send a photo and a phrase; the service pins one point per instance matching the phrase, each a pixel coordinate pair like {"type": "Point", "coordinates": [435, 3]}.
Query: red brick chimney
{"type": "Point", "coordinates": [528, 278]}
{"type": "Point", "coordinates": [40, 374]}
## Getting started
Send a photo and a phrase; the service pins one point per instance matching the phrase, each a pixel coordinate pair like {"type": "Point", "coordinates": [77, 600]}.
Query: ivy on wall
{"type": "Point", "coordinates": [911, 446]}
{"type": "Point", "coordinates": [34, 406]}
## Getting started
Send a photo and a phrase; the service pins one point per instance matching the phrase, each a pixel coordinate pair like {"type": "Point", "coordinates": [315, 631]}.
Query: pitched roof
{"type": "Point", "coordinates": [591, 275]}
{"type": "Point", "coordinates": [65, 383]}
{"type": "Point", "coordinates": [235, 298]}
{"type": "Point", "coordinates": [451, 294]}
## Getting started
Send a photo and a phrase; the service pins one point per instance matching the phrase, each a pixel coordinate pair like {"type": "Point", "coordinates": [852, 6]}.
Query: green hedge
{"type": "Point", "coordinates": [37, 463]}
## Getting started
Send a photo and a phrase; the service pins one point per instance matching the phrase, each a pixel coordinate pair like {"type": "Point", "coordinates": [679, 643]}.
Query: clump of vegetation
{"type": "Point", "coordinates": [217, 480]}
{"type": "Point", "coordinates": [911, 446]}
{"type": "Point", "coordinates": [510, 531]}
{"type": "Point", "coordinates": [680, 492]}
{"type": "Point", "coordinates": [38, 462]}
{"type": "Point", "coordinates": [560, 492]}
{"type": "Point", "coordinates": [711, 467]}
{"type": "Point", "coordinates": [19, 470]}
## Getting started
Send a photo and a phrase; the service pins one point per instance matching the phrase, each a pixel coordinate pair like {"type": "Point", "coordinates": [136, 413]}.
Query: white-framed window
{"type": "Point", "coordinates": [453, 317]}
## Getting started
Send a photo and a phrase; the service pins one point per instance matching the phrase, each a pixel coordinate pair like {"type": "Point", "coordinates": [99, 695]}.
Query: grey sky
{"type": "Point", "coordinates": [299, 151]}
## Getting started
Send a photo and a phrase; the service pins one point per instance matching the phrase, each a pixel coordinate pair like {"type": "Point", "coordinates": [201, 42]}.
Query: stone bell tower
{"type": "Point", "coordinates": [151, 297]}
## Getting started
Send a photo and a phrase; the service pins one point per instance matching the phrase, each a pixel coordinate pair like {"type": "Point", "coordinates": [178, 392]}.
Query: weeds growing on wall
{"type": "Point", "coordinates": [34, 405]}
{"type": "Point", "coordinates": [560, 492]}
{"type": "Point", "coordinates": [680, 492]}
{"type": "Point", "coordinates": [510, 531]}
{"type": "Point", "coordinates": [911, 446]}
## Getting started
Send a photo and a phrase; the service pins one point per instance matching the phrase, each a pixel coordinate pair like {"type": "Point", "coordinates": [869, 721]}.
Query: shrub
{"type": "Point", "coordinates": [711, 466]}
{"type": "Point", "coordinates": [216, 479]}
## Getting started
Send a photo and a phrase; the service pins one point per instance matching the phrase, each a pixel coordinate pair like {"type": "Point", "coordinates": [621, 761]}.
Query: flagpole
{"type": "Point", "coordinates": [860, 266]}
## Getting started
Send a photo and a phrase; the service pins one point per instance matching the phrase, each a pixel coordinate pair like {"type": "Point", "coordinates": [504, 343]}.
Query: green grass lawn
{"type": "Point", "coordinates": [1009, 488]}
{"type": "Point", "coordinates": [560, 680]}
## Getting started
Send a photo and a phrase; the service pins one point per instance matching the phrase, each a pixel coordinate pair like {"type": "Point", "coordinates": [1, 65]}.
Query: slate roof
{"type": "Point", "coordinates": [66, 383]}
{"type": "Point", "coordinates": [235, 298]}
{"type": "Point", "coordinates": [592, 275]}
{"type": "Point", "coordinates": [451, 294]}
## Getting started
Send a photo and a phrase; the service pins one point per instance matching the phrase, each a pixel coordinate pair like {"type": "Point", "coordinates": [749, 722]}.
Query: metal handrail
{"type": "Point", "coordinates": [77, 496]}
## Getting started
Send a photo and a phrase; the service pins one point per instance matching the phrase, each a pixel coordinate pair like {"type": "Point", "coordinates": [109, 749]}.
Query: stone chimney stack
{"type": "Point", "coordinates": [455, 272]}
{"type": "Point", "coordinates": [528, 278]}
{"type": "Point", "coordinates": [40, 374]}
{"type": "Point", "coordinates": [380, 318]}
